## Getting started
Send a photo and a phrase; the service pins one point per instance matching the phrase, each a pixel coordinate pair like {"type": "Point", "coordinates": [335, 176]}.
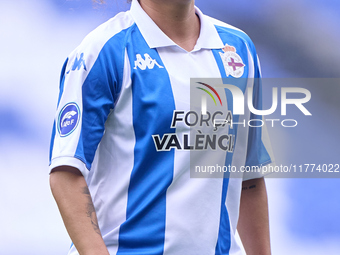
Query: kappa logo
{"type": "Point", "coordinates": [232, 62]}
{"type": "Point", "coordinates": [148, 62]}
{"type": "Point", "coordinates": [78, 63]}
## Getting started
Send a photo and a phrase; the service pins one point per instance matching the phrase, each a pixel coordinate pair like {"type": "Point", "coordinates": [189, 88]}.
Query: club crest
{"type": "Point", "coordinates": [232, 62]}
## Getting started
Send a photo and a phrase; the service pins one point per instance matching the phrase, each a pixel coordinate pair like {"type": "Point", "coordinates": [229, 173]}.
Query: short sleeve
{"type": "Point", "coordinates": [259, 151]}
{"type": "Point", "coordinates": [88, 90]}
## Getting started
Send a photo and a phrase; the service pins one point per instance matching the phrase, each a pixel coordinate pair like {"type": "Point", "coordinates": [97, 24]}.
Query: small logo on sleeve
{"type": "Point", "coordinates": [232, 62]}
{"type": "Point", "coordinates": [68, 119]}
{"type": "Point", "coordinates": [79, 62]}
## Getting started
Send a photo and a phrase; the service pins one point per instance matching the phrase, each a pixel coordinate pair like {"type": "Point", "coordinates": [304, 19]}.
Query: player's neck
{"type": "Point", "coordinates": [176, 18]}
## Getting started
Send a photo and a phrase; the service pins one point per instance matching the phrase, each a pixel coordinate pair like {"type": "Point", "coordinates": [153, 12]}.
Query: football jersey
{"type": "Point", "coordinates": [125, 119]}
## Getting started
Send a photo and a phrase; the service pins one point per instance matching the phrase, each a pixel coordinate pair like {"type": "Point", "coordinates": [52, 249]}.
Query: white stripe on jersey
{"type": "Point", "coordinates": [183, 233]}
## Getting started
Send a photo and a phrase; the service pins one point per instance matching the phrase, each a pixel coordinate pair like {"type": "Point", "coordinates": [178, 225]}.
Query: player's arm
{"type": "Point", "coordinates": [75, 205]}
{"type": "Point", "coordinates": [253, 224]}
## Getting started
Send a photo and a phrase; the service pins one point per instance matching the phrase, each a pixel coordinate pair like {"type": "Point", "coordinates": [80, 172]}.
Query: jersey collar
{"type": "Point", "coordinates": [155, 38]}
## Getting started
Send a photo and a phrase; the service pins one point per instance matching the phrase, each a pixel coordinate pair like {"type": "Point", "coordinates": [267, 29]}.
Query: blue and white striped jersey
{"type": "Point", "coordinates": [124, 120]}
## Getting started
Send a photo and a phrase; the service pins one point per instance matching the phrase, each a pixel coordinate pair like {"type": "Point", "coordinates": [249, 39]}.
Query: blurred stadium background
{"type": "Point", "coordinates": [294, 38]}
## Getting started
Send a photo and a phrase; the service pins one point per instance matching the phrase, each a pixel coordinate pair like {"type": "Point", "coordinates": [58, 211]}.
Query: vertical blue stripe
{"type": "Point", "coordinates": [143, 232]}
{"type": "Point", "coordinates": [223, 240]}
{"type": "Point", "coordinates": [61, 91]}
{"type": "Point", "coordinates": [52, 142]}
{"type": "Point", "coordinates": [99, 93]}
{"type": "Point", "coordinates": [62, 80]}
{"type": "Point", "coordinates": [224, 236]}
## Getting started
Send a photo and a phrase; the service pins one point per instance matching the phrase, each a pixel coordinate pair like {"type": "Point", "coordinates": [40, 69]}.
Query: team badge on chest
{"type": "Point", "coordinates": [232, 62]}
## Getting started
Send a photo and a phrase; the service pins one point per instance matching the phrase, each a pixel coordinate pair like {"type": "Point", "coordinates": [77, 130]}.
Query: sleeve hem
{"type": "Point", "coordinates": [259, 173]}
{"type": "Point", "coordinates": [69, 161]}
